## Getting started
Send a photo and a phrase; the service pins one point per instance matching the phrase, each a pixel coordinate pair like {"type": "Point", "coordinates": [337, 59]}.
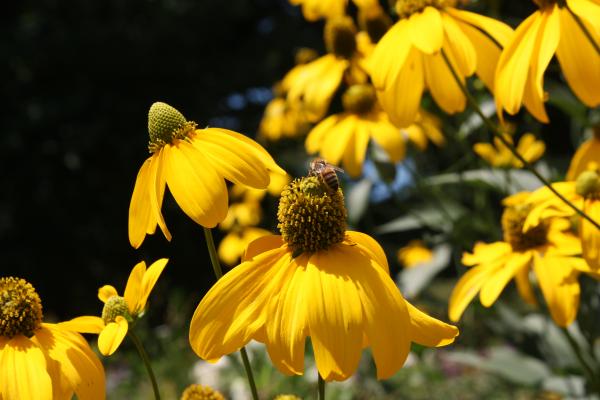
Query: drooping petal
{"type": "Point", "coordinates": [426, 30]}
{"type": "Point", "coordinates": [262, 245]}
{"type": "Point", "coordinates": [156, 189]}
{"type": "Point", "coordinates": [106, 292]}
{"type": "Point", "coordinates": [465, 290]}
{"type": "Point", "coordinates": [441, 83]}
{"type": "Point", "coordinates": [112, 335]}
{"type": "Point", "coordinates": [590, 235]}
{"type": "Point", "coordinates": [486, 253]}
{"type": "Point", "coordinates": [589, 11]}
{"type": "Point", "coordinates": [335, 142]}
{"type": "Point", "coordinates": [524, 286]}
{"type": "Point", "coordinates": [370, 245]}
{"type": "Point", "coordinates": [23, 375]}
{"type": "Point", "coordinates": [134, 285]}
{"type": "Point", "coordinates": [318, 134]}
{"type": "Point", "coordinates": [388, 58]}
{"type": "Point", "coordinates": [586, 155]}
{"type": "Point", "coordinates": [149, 280]}
{"type": "Point", "coordinates": [460, 46]}
{"type": "Point", "coordinates": [499, 278]}
{"type": "Point", "coordinates": [388, 137]}
{"type": "Point", "coordinates": [356, 149]}
{"type": "Point", "coordinates": [429, 331]}
{"type": "Point", "coordinates": [85, 324]}
{"type": "Point", "coordinates": [72, 363]}
{"type": "Point", "coordinates": [140, 210]}
{"type": "Point", "coordinates": [198, 189]}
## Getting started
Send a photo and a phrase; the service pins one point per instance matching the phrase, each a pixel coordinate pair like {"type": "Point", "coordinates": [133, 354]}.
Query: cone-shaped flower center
{"type": "Point", "coordinates": [513, 220]}
{"type": "Point", "coordinates": [359, 99]}
{"type": "Point", "coordinates": [311, 217]}
{"type": "Point", "coordinates": [115, 306]}
{"type": "Point", "coordinates": [588, 184]}
{"type": "Point", "coordinates": [406, 8]}
{"type": "Point", "coordinates": [20, 308]}
{"type": "Point", "coordinates": [340, 37]}
{"type": "Point", "coordinates": [200, 392]}
{"type": "Point", "coordinates": [165, 124]}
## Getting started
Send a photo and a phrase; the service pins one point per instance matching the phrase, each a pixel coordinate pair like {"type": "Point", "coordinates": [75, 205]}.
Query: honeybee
{"type": "Point", "coordinates": [326, 172]}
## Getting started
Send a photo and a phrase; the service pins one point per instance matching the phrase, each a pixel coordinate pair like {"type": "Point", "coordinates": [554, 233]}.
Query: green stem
{"type": "Point", "coordinates": [214, 259]}
{"type": "Point", "coordinates": [587, 33]}
{"type": "Point", "coordinates": [586, 367]}
{"type": "Point", "coordinates": [496, 132]}
{"type": "Point", "coordinates": [140, 348]}
{"type": "Point", "coordinates": [321, 387]}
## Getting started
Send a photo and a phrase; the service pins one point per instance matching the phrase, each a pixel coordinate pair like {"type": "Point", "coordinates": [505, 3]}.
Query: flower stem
{"type": "Point", "coordinates": [214, 259]}
{"type": "Point", "coordinates": [321, 387]}
{"type": "Point", "coordinates": [587, 33]}
{"type": "Point", "coordinates": [496, 132]}
{"type": "Point", "coordinates": [586, 367]}
{"type": "Point", "coordinates": [144, 356]}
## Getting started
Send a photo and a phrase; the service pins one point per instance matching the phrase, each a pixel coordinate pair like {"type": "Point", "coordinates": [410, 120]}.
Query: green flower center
{"type": "Point", "coordinates": [20, 308]}
{"type": "Point", "coordinates": [166, 124]}
{"type": "Point", "coordinates": [588, 184]}
{"type": "Point", "coordinates": [200, 392]}
{"type": "Point", "coordinates": [340, 37]}
{"type": "Point", "coordinates": [359, 99]}
{"type": "Point", "coordinates": [115, 306]}
{"type": "Point", "coordinates": [406, 8]}
{"type": "Point", "coordinates": [513, 220]}
{"type": "Point", "coordinates": [311, 218]}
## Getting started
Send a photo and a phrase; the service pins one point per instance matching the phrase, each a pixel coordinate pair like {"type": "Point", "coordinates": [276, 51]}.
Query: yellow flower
{"type": "Point", "coordinates": [119, 312]}
{"type": "Point", "coordinates": [549, 250]}
{"type": "Point", "coordinates": [408, 59]}
{"type": "Point", "coordinates": [414, 253]}
{"type": "Point", "coordinates": [317, 280]}
{"type": "Point", "coordinates": [314, 10]}
{"type": "Point", "coordinates": [426, 127]}
{"type": "Point", "coordinates": [42, 361]}
{"type": "Point", "coordinates": [551, 29]}
{"type": "Point", "coordinates": [194, 163]}
{"type": "Point", "coordinates": [343, 138]}
{"type": "Point", "coordinates": [312, 86]}
{"type": "Point", "coordinates": [280, 120]}
{"type": "Point", "coordinates": [586, 157]}
{"type": "Point", "coordinates": [234, 244]}
{"type": "Point", "coordinates": [200, 392]}
{"type": "Point", "coordinates": [498, 155]}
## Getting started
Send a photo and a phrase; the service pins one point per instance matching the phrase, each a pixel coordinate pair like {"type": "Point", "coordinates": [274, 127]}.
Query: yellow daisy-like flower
{"type": "Point", "coordinates": [426, 128]}
{"type": "Point", "coordinates": [552, 29]}
{"type": "Point", "coordinates": [498, 155]}
{"type": "Point", "coordinates": [343, 138]}
{"type": "Point", "coordinates": [194, 163]}
{"type": "Point", "coordinates": [314, 10]}
{"type": "Point", "coordinates": [201, 392]}
{"type": "Point", "coordinates": [312, 86]}
{"type": "Point", "coordinates": [42, 361]}
{"type": "Point", "coordinates": [586, 157]}
{"type": "Point", "coordinates": [317, 280]}
{"type": "Point", "coordinates": [414, 253]}
{"type": "Point", "coordinates": [549, 250]}
{"type": "Point", "coordinates": [119, 312]}
{"type": "Point", "coordinates": [408, 59]}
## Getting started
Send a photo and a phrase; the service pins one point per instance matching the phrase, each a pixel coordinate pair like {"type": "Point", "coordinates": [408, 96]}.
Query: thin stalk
{"type": "Point", "coordinates": [214, 259]}
{"type": "Point", "coordinates": [586, 367]}
{"type": "Point", "coordinates": [144, 356]}
{"type": "Point", "coordinates": [321, 387]}
{"type": "Point", "coordinates": [496, 132]}
{"type": "Point", "coordinates": [587, 33]}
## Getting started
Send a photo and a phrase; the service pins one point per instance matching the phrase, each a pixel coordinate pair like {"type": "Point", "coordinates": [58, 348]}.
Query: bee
{"type": "Point", "coordinates": [326, 172]}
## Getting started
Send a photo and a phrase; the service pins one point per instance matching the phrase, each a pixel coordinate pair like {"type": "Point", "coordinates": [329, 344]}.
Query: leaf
{"type": "Point", "coordinates": [432, 217]}
{"type": "Point", "coordinates": [358, 200]}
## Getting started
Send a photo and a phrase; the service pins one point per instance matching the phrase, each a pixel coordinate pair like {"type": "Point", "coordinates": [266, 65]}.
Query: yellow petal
{"type": "Point", "coordinates": [231, 248]}
{"type": "Point", "coordinates": [466, 289]}
{"type": "Point", "coordinates": [261, 245]}
{"type": "Point", "coordinates": [587, 153]}
{"type": "Point", "coordinates": [134, 286]}
{"type": "Point", "coordinates": [589, 11]}
{"type": "Point", "coordinates": [149, 280]}
{"type": "Point", "coordinates": [23, 375]}
{"type": "Point", "coordinates": [486, 252]}
{"type": "Point", "coordinates": [370, 245]}
{"type": "Point", "coordinates": [460, 46]}
{"type": "Point", "coordinates": [86, 324]}
{"type": "Point", "coordinates": [389, 55]}
{"type": "Point", "coordinates": [388, 137]}
{"type": "Point", "coordinates": [198, 189]}
{"type": "Point", "coordinates": [487, 152]}
{"type": "Point", "coordinates": [356, 149]}
{"type": "Point", "coordinates": [73, 363]}
{"type": "Point", "coordinates": [106, 292]}
{"type": "Point", "coordinates": [441, 83]}
{"type": "Point", "coordinates": [318, 134]}
{"type": "Point", "coordinates": [426, 30]}
{"type": "Point", "coordinates": [524, 286]}
{"type": "Point", "coordinates": [112, 335]}
{"type": "Point", "coordinates": [140, 210]}
{"type": "Point", "coordinates": [429, 331]}
{"type": "Point", "coordinates": [338, 139]}
{"type": "Point", "coordinates": [498, 279]}
{"type": "Point", "coordinates": [590, 235]}
{"type": "Point", "coordinates": [157, 191]}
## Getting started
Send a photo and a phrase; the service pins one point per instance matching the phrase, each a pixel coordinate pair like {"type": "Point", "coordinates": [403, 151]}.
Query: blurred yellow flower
{"type": "Point", "coordinates": [194, 163]}
{"type": "Point", "coordinates": [549, 250]}
{"type": "Point", "coordinates": [552, 29]}
{"type": "Point", "coordinates": [280, 120]}
{"type": "Point", "coordinates": [414, 253]}
{"type": "Point", "coordinates": [41, 361]}
{"type": "Point", "coordinates": [317, 280]}
{"type": "Point", "coordinates": [498, 155]}
{"type": "Point", "coordinates": [119, 312]}
{"type": "Point", "coordinates": [344, 138]}
{"type": "Point", "coordinates": [426, 128]}
{"type": "Point", "coordinates": [316, 9]}
{"type": "Point", "coordinates": [586, 157]}
{"type": "Point", "coordinates": [201, 392]}
{"type": "Point", "coordinates": [408, 59]}
{"type": "Point", "coordinates": [234, 244]}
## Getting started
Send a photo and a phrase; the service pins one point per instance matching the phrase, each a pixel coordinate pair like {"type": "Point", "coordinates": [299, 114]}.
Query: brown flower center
{"type": "Point", "coordinates": [513, 220]}
{"type": "Point", "coordinates": [20, 308]}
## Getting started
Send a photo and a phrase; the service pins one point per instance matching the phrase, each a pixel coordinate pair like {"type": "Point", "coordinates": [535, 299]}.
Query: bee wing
{"type": "Point", "coordinates": [338, 169]}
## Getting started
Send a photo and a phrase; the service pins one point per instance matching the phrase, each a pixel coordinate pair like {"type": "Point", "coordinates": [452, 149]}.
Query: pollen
{"type": "Point", "coordinates": [20, 308]}
{"type": "Point", "coordinates": [340, 37]}
{"type": "Point", "coordinates": [310, 217]}
{"type": "Point", "coordinates": [588, 184]}
{"type": "Point", "coordinates": [115, 306]}
{"type": "Point", "coordinates": [200, 392]}
{"type": "Point", "coordinates": [406, 8]}
{"type": "Point", "coordinates": [166, 124]}
{"type": "Point", "coordinates": [359, 99]}
{"type": "Point", "coordinates": [513, 220]}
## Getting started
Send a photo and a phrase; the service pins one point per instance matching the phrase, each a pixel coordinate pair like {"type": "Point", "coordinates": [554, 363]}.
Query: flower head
{"type": "Point", "coordinates": [119, 311]}
{"type": "Point", "coordinates": [314, 10]}
{"type": "Point", "coordinates": [414, 253]}
{"type": "Point", "coordinates": [315, 280]}
{"type": "Point", "coordinates": [498, 155]}
{"type": "Point", "coordinates": [551, 29]}
{"type": "Point", "coordinates": [194, 164]}
{"type": "Point", "coordinates": [201, 392]}
{"type": "Point", "coordinates": [40, 360]}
